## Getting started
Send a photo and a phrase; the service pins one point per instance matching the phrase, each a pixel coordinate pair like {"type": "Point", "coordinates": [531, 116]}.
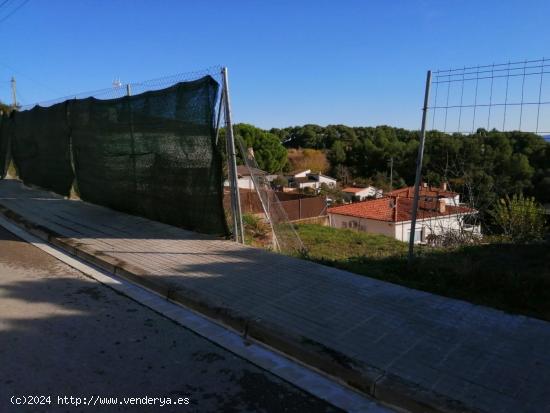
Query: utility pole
{"type": "Point", "coordinates": [13, 92]}
{"type": "Point", "coordinates": [391, 174]}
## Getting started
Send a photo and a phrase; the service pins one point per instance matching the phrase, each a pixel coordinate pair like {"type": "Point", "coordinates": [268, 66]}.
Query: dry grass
{"type": "Point", "coordinates": [313, 159]}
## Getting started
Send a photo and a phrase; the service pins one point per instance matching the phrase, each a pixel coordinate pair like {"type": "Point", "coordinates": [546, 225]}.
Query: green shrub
{"type": "Point", "coordinates": [255, 228]}
{"type": "Point", "coordinates": [520, 218]}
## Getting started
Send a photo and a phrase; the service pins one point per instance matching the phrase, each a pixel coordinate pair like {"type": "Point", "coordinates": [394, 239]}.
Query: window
{"type": "Point", "coordinates": [344, 224]}
{"type": "Point", "coordinates": [417, 235]}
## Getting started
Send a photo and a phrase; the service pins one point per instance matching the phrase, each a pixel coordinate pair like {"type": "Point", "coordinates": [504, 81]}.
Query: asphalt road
{"type": "Point", "coordinates": [63, 334]}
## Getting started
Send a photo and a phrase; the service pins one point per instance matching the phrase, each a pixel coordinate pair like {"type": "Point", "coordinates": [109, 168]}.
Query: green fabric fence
{"type": "Point", "coordinates": [152, 154]}
{"type": "Point", "coordinates": [40, 148]}
{"type": "Point", "coordinates": [5, 125]}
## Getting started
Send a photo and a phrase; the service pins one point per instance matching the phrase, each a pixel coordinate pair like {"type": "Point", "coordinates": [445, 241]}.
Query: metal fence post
{"type": "Point", "coordinates": [232, 163]}
{"type": "Point", "coordinates": [419, 166]}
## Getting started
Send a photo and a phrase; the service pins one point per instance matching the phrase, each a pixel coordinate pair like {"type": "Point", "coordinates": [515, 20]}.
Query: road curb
{"type": "Point", "coordinates": [387, 388]}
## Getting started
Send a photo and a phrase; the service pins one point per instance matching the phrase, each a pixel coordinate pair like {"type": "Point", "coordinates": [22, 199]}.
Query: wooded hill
{"type": "Point", "coordinates": [482, 166]}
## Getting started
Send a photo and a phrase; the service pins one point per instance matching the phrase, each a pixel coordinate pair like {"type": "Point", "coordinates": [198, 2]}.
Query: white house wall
{"type": "Point", "coordinates": [454, 201]}
{"type": "Point", "coordinates": [328, 181]}
{"type": "Point", "coordinates": [362, 224]}
{"type": "Point", "coordinates": [436, 225]}
{"type": "Point", "coordinates": [362, 195]}
{"type": "Point", "coordinates": [246, 183]}
{"type": "Point", "coordinates": [399, 230]}
{"type": "Point", "coordinates": [302, 174]}
{"type": "Point", "coordinates": [365, 193]}
{"type": "Point", "coordinates": [313, 185]}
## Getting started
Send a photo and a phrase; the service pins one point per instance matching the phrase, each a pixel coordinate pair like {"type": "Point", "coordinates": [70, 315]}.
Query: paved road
{"type": "Point", "coordinates": [406, 344]}
{"type": "Point", "coordinates": [64, 334]}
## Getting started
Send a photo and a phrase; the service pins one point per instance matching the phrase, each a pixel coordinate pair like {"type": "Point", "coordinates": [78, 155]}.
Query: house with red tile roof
{"type": "Point", "coordinates": [360, 194]}
{"type": "Point", "coordinates": [307, 179]}
{"type": "Point", "coordinates": [426, 191]}
{"type": "Point", "coordinates": [391, 216]}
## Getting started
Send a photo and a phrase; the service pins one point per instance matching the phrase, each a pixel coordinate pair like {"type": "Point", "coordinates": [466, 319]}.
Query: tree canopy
{"type": "Point", "coordinates": [269, 152]}
{"type": "Point", "coordinates": [4, 108]}
{"type": "Point", "coordinates": [484, 166]}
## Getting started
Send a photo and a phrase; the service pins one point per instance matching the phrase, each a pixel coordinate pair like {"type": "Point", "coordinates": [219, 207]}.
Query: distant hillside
{"type": "Point", "coordinates": [494, 163]}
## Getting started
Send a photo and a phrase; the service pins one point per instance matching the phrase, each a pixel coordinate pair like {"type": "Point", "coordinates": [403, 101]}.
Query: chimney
{"type": "Point", "coordinates": [393, 206]}
{"type": "Point", "coordinates": [443, 186]}
{"type": "Point", "coordinates": [442, 205]}
{"type": "Point", "coordinates": [425, 184]}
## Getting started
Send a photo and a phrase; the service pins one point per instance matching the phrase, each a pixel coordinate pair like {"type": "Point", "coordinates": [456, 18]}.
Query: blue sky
{"type": "Point", "coordinates": [291, 62]}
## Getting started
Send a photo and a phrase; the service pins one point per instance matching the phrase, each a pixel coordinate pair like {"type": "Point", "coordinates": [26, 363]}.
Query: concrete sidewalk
{"type": "Point", "coordinates": [407, 348]}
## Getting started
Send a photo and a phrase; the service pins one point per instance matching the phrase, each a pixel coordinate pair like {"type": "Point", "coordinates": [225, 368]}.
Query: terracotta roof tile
{"type": "Point", "coordinates": [429, 191]}
{"type": "Point", "coordinates": [393, 209]}
{"type": "Point", "coordinates": [353, 190]}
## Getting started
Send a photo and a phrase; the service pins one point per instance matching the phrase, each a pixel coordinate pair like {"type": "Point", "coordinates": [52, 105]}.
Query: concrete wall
{"type": "Point", "coordinates": [320, 220]}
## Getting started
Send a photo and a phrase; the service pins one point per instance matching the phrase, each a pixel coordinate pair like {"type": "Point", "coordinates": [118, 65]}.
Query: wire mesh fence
{"type": "Point", "coordinates": [503, 96]}
{"type": "Point", "coordinates": [119, 89]}
{"type": "Point", "coordinates": [284, 236]}
{"type": "Point", "coordinates": [485, 143]}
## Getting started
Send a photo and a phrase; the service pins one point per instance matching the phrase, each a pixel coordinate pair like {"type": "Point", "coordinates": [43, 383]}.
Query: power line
{"type": "Point", "coordinates": [137, 87]}
{"type": "Point", "coordinates": [13, 11]}
{"type": "Point", "coordinates": [18, 72]}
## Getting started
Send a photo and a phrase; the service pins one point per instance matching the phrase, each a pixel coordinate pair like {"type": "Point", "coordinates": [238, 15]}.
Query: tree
{"type": "Point", "coordinates": [520, 218]}
{"type": "Point", "coordinates": [337, 154]}
{"type": "Point", "coordinates": [334, 194]}
{"type": "Point", "coordinates": [5, 109]}
{"type": "Point", "coordinates": [483, 166]}
{"type": "Point", "coordinates": [269, 153]}
{"type": "Point", "coordinates": [341, 173]}
{"type": "Point", "coordinates": [280, 181]}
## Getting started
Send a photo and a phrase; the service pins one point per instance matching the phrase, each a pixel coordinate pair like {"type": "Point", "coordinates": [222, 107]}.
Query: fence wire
{"type": "Point", "coordinates": [504, 96]}
{"type": "Point", "coordinates": [285, 238]}
{"type": "Point", "coordinates": [123, 89]}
